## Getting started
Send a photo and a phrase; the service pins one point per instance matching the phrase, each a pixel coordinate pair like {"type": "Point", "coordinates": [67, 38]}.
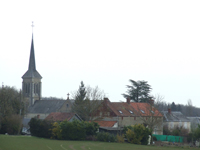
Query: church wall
{"type": "Point", "coordinates": [66, 107]}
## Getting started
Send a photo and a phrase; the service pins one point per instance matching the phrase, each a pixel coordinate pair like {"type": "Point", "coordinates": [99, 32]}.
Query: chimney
{"type": "Point", "coordinates": [128, 100]}
{"type": "Point", "coordinates": [169, 110]}
{"type": "Point", "coordinates": [151, 101]}
{"type": "Point", "coordinates": [106, 99]}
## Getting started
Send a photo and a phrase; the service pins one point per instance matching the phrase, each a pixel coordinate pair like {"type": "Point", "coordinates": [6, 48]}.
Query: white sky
{"type": "Point", "coordinates": [104, 43]}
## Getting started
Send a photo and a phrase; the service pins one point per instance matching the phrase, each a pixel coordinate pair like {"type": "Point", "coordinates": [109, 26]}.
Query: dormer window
{"type": "Point", "coordinates": [152, 111]}
{"type": "Point", "coordinates": [130, 111]}
{"type": "Point", "coordinates": [142, 111]}
{"type": "Point", "coordinates": [120, 111]}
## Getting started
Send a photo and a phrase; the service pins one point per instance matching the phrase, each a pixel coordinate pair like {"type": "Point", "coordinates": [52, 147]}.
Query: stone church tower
{"type": "Point", "coordinates": [31, 84]}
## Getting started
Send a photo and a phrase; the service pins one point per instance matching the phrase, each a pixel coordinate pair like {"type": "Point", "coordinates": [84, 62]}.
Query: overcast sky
{"type": "Point", "coordinates": [104, 43]}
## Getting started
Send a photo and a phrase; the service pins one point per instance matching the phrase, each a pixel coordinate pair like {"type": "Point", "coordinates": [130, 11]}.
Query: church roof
{"type": "Point", "coordinates": [61, 116]}
{"type": "Point", "coordinates": [32, 72]}
{"type": "Point", "coordinates": [46, 106]}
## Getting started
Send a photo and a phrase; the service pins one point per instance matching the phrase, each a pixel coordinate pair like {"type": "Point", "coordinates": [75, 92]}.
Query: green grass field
{"type": "Point", "coordinates": [9, 142]}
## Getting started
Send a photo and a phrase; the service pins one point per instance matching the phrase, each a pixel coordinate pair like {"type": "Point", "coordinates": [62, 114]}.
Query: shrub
{"type": "Point", "coordinates": [120, 138]}
{"type": "Point", "coordinates": [137, 134]}
{"type": "Point", "coordinates": [91, 128]}
{"type": "Point", "coordinates": [105, 137]}
{"type": "Point", "coordinates": [65, 130]}
{"type": "Point", "coordinates": [56, 131]}
{"type": "Point", "coordinates": [40, 128]}
{"type": "Point", "coordinates": [11, 124]}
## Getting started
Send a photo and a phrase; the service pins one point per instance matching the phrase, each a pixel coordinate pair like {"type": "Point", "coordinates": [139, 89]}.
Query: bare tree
{"type": "Point", "coordinates": [159, 102]}
{"type": "Point", "coordinates": [189, 108]}
{"type": "Point", "coordinates": [86, 108]}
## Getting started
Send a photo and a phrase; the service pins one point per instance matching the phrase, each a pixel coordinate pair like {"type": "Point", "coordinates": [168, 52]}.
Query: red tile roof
{"type": "Point", "coordinates": [106, 123]}
{"type": "Point", "coordinates": [59, 116]}
{"type": "Point", "coordinates": [145, 109]}
{"type": "Point", "coordinates": [121, 108]}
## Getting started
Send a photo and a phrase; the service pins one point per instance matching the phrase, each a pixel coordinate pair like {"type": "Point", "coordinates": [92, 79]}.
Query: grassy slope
{"type": "Point", "coordinates": [8, 142]}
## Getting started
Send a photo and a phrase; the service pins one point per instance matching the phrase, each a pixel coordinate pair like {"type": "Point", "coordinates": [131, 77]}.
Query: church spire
{"type": "Point", "coordinates": [32, 72]}
{"type": "Point", "coordinates": [32, 57]}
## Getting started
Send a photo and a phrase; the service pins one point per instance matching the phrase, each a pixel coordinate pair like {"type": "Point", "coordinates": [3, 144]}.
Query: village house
{"type": "Point", "coordinates": [128, 113]}
{"type": "Point", "coordinates": [175, 119]}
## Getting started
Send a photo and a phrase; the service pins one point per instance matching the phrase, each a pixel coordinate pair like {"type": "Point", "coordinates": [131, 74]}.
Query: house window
{"type": "Point", "coordinates": [134, 118]}
{"type": "Point", "coordinates": [142, 111]}
{"type": "Point", "coordinates": [180, 124]}
{"type": "Point", "coordinates": [130, 111]}
{"type": "Point", "coordinates": [67, 105]}
{"type": "Point", "coordinates": [171, 125]}
{"type": "Point", "coordinates": [152, 111]}
{"type": "Point", "coordinates": [120, 111]}
{"type": "Point", "coordinates": [185, 125]}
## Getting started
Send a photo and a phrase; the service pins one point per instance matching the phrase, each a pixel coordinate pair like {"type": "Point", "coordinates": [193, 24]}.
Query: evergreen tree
{"type": "Point", "coordinates": [138, 91]}
{"type": "Point", "coordinates": [87, 100]}
{"type": "Point", "coordinates": [173, 107]}
{"type": "Point", "coordinates": [81, 94]}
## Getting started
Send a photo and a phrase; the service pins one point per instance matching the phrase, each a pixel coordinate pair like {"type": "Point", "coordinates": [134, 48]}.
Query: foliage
{"type": "Point", "coordinates": [132, 138]}
{"type": "Point", "coordinates": [11, 124]}
{"type": "Point", "coordinates": [87, 100]}
{"type": "Point", "coordinates": [10, 101]}
{"type": "Point", "coordinates": [196, 133]}
{"type": "Point", "coordinates": [105, 137]}
{"type": "Point", "coordinates": [40, 128]}
{"type": "Point", "coordinates": [178, 131]}
{"type": "Point", "coordinates": [56, 131]}
{"type": "Point", "coordinates": [75, 130]}
{"type": "Point", "coordinates": [173, 106]}
{"type": "Point", "coordinates": [137, 134]}
{"type": "Point", "coordinates": [91, 128]}
{"type": "Point", "coordinates": [81, 93]}
{"type": "Point", "coordinates": [138, 91]}
{"type": "Point", "coordinates": [11, 107]}
{"type": "Point", "coordinates": [120, 138]}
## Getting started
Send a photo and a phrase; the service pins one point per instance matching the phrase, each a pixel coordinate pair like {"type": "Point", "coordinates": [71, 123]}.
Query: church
{"type": "Point", "coordinates": [32, 93]}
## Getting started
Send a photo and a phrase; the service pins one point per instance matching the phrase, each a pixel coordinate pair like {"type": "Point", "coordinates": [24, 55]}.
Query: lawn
{"type": "Point", "coordinates": [9, 142]}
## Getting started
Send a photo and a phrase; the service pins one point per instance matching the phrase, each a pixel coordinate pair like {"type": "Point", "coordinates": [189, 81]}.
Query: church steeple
{"type": "Point", "coordinates": [32, 85]}
{"type": "Point", "coordinates": [32, 72]}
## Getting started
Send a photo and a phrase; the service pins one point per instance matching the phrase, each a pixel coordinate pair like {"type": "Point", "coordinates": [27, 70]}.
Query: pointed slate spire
{"type": "Point", "coordinates": [32, 57]}
{"type": "Point", "coordinates": [32, 72]}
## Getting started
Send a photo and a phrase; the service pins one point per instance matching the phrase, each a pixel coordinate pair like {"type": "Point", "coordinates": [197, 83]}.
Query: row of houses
{"type": "Point", "coordinates": [111, 116]}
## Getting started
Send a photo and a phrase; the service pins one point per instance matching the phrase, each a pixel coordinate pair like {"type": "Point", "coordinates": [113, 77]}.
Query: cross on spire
{"type": "Point", "coordinates": [68, 96]}
{"type": "Point", "coordinates": [32, 26]}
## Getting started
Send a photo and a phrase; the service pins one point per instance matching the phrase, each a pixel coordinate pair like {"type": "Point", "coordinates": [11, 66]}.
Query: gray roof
{"type": "Point", "coordinates": [46, 106]}
{"type": "Point", "coordinates": [32, 72]}
{"type": "Point", "coordinates": [174, 116]}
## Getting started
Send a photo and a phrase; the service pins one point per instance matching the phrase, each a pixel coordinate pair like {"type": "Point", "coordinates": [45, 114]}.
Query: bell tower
{"type": "Point", "coordinates": [31, 84]}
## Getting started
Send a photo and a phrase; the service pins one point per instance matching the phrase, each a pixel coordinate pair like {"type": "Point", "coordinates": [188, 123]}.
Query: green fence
{"type": "Point", "coordinates": [169, 138]}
